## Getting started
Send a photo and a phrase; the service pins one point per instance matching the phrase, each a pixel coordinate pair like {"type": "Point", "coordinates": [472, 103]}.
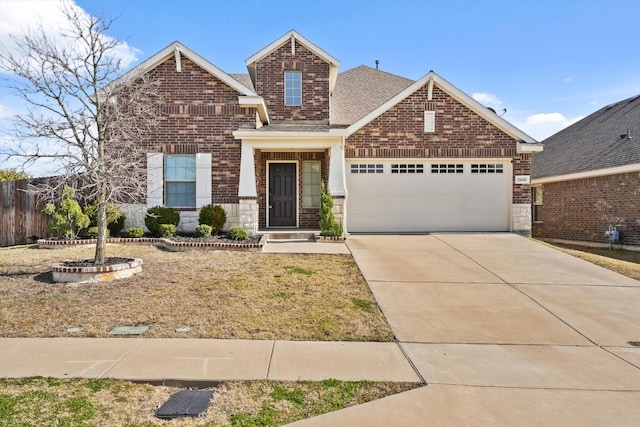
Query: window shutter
{"type": "Point", "coordinates": [155, 179]}
{"type": "Point", "coordinates": [203, 179]}
{"type": "Point", "coordinates": [429, 121]}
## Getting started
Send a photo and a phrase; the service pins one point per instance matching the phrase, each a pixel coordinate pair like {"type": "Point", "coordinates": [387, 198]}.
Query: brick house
{"type": "Point", "coordinates": [397, 155]}
{"type": "Point", "coordinates": [588, 178]}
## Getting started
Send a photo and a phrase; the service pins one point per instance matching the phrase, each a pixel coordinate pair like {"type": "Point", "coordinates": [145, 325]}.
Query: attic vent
{"type": "Point", "coordinates": [429, 121]}
{"type": "Point", "coordinates": [430, 106]}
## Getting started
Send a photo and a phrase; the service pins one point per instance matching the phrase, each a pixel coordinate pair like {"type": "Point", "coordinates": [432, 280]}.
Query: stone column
{"type": "Point", "coordinates": [248, 215]}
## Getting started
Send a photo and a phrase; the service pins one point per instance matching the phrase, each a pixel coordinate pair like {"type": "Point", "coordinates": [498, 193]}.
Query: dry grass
{"type": "Point", "coordinates": [100, 402]}
{"type": "Point", "coordinates": [217, 294]}
{"type": "Point", "coordinates": [624, 262]}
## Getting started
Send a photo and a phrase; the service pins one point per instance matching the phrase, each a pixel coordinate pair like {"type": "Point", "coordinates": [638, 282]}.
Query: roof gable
{"type": "Point", "coordinates": [171, 50]}
{"type": "Point", "coordinates": [598, 141]}
{"type": "Point", "coordinates": [292, 35]}
{"type": "Point", "coordinates": [455, 93]}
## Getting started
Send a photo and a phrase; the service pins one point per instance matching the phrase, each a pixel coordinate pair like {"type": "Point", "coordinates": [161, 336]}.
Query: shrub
{"type": "Point", "coordinates": [68, 217]}
{"type": "Point", "coordinates": [238, 233]}
{"type": "Point", "coordinates": [328, 224]}
{"type": "Point", "coordinates": [214, 216]}
{"type": "Point", "coordinates": [159, 215]}
{"type": "Point", "coordinates": [135, 232]}
{"type": "Point", "coordinates": [115, 217]}
{"type": "Point", "coordinates": [203, 230]}
{"type": "Point", "coordinates": [92, 232]}
{"type": "Point", "coordinates": [167, 230]}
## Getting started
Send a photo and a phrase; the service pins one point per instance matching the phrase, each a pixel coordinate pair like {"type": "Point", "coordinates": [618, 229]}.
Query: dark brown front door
{"type": "Point", "coordinates": [282, 194]}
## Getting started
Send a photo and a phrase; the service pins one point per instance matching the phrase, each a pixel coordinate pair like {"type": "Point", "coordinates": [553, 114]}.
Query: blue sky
{"type": "Point", "coordinates": [548, 63]}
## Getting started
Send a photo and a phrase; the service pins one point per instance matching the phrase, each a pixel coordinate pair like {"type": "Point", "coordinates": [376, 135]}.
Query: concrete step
{"type": "Point", "coordinates": [291, 236]}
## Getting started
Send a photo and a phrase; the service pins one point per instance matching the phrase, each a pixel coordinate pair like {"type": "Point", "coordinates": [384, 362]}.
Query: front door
{"type": "Point", "coordinates": [282, 195]}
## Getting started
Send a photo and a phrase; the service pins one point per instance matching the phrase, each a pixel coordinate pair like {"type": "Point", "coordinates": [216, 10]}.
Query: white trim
{"type": "Point", "coordinates": [176, 53]}
{"type": "Point", "coordinates": [297, 193]}
{"type": "Point", "coordinates": [258, 103]}
{"type": "Point", "coordinates": [165, 53]}
{"type": "Point", "coordinates": [203, 179]}
{"type": "Point", "coordinates": [455, 93]}
{"type": "Point", "coordinates": [524, 148]}
{"type": "Point", "coordinates": [283, 135]}
{"type": "Point", "coordinates": [247, 182]}
{"type": "Point", "coordinates": [634, 167]}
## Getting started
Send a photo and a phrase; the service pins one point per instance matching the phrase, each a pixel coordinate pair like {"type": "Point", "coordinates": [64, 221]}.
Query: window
{"type": "Point", "coordinates": [536, 208]}
{"type": "Point", "coordinates": [429, 121]}
{"type": "Point", "coordinates": [487, 168]}
{"type": "Point", "coordinates": [410, 168]}
{"type": "Point", "coordinates": [447, 168]}
{"type": "Point", "coordinates": [311, 179]}
{"type": "Point", "coordinates": [367, 168]}
{"type": "Point", "coordinates": [293, 88]}
{"type": "Point", "coordinates": [180, 181]}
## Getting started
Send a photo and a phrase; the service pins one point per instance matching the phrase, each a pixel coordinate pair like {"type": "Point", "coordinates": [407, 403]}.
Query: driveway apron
{"type": "Point", "coordinates": [503, 328]}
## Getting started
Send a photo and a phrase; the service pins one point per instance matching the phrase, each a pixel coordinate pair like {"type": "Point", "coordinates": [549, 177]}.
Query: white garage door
{"type": "Point", "coordinates": [428, 195]}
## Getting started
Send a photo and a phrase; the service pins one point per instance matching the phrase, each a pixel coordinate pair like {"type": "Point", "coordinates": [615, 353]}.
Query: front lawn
{"type": "Point", "coordinates": [217, 294]}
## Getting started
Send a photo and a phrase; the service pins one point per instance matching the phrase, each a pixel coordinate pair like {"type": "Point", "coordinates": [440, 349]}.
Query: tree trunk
{"type": "Point", "coordinates": [101, 242]}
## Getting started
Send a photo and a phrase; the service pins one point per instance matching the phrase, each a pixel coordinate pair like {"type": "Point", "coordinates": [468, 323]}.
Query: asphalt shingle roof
{"type": "Point", "coordinates": [361, 90]}
{"type": "Point", "coordinates": [596, 142]}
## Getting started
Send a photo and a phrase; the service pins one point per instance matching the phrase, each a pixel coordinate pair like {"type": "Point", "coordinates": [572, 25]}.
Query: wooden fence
{"type": "Point", "coordinates": [21, 216]}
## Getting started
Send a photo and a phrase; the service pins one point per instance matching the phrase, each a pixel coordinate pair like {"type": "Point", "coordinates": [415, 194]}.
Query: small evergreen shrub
{"type": "Point", "coordinates": [203, 230]}
{"type": "Point", "coordinates": [115, 217]}
{"type": "Point", "coordinates": [159, 215]}
{"type": "Point", "coordinates": [167, 230]}
{"type": "Point", "coordinates": [328, 224]}
{"type": "Point", "coordinates": [67, 215]}
{"type": "Point", "coordinates": [117, 225]}
{"type": "Point", "coordinates": [135, 232]}
{"type": "Point", "coordinates": [238, 233]}
{"type": "Point", "coordinates": [92, 232]}
{"type": "Point", "coordinates": [214, 216]}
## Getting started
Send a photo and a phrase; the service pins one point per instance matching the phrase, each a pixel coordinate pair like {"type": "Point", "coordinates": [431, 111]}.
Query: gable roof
{"type": "Point", "coordinates": [599, 141]}
{"type": "Point", "coordinates": [294, 35]}
{"type": "Point", "coordinates": [170, 50]}
{"type": "Point", "coordinates": [455, 93]}
{"type": "Point", "coordinates": [361, 90]}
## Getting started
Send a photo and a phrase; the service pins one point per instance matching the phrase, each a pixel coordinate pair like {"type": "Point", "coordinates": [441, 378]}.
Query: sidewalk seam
{"type": "Point", "coordinates": [273, 349]}
{"type": "Point", "coordinates": [413, 366]}
{"type": "Point", "coordinates": [113, 365]}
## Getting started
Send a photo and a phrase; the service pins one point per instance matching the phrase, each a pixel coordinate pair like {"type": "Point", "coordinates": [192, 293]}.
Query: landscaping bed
{"type": "Point", "coordinates": [219, 294]}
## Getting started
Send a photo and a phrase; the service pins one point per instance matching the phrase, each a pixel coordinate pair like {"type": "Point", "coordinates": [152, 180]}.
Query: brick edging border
{"type": "Point", "coordinates": [166, 243]}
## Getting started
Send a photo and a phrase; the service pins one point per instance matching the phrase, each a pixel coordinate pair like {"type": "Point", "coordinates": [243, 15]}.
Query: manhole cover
{"type": "Point", "coordinates": [185, 403]}
{"type": "Point", "coordinates": [129, 330]}
{"type": "Point", "coordinates": [634, 343]}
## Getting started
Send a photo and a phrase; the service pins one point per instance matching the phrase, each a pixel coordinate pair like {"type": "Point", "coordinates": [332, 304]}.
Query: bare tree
{"type": "Point", "coordinates": [84, 114]}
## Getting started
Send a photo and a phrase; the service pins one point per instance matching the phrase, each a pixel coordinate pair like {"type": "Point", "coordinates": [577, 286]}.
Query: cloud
{"type": "Point", "coordinates": [543, 125]}
{"type": "Point", "coordinates": [487, 99]}
{"type": "Point", "coordinates": [18, 18]}
{"type": "Point", "coordinates": [568, 79]}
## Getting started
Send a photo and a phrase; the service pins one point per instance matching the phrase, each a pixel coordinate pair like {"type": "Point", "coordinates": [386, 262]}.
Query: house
{"type": "Point", "coordinates": [588, 178]}
{"type": "Point", "coordinates": [397, 155]}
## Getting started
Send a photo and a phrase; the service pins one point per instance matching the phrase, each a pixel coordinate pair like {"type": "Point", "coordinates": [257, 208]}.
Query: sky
{"type": "Point", "coordinates": [547, 63]}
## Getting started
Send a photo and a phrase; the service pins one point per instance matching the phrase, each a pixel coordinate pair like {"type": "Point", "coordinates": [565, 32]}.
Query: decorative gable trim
{"type": "Point", "coordinates": [294, 36]}
{"type": "Point", "coordinates": [176, 48]}
{"type": "Point", "coordinates": [455, 93]}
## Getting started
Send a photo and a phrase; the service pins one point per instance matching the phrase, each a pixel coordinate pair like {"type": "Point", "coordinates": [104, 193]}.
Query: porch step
{"type": "Point", "coordinates": [291, 236]}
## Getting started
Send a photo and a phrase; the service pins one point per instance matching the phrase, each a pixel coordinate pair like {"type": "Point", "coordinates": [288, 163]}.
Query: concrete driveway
{"type": "Point", "coordinates": [504, 330]}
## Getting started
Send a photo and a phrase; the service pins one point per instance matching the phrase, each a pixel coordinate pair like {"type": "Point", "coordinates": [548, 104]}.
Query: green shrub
{"type": "Point", "coordinates": [67, 215]}
{"type": "Point", "coordinates": [115, 217]}
{"type": "Point", "coordinates": [328, 224]}
{"type": "Point", "coordinates": [203, 230]}
{"type": "Point", "coordinates": [214, 216]}
{"type": "Point", "coordinates": [135, 232]}
{"type": "Point", "coordinates": [92, 232]}
{"type": "Point", "coordinates": [167, 230]}
{"type": "Point", "coordinates": [159, 215]}
{"type": "Point", "coordinates": [238, 233]}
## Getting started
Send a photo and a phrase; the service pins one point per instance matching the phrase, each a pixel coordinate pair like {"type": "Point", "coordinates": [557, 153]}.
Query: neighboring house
{"type": "Point", "coordinates": [588, 178]}
{"type": "Point", "coordinates": [397, 155]}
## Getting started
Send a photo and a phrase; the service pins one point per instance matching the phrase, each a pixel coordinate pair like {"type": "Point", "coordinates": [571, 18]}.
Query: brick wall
{"type": "Point", "coordinates": [308, 218]}
{"type": "Point", "coordinates": [315, 83]}
{"type": "Point", "coordinates": [583, 209]}
{"type": "Point", "coordinates": [198, 115]}
{"type": "Point", "coordinates": [459, 133]}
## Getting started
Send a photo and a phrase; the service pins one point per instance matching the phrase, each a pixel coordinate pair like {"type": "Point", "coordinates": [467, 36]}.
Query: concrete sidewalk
{"type": "Point", "coordinates": [202, 361]}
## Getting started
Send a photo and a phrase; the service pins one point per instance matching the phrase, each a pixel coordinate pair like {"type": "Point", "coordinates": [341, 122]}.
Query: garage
{"type": "Point", "coordinates": [423, 195]}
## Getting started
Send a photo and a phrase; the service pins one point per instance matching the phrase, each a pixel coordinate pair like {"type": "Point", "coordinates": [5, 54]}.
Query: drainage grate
{"type": "Point", "coordinates": [634, 343]}
{"type": "Point", "coordinates": [185, 403]}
